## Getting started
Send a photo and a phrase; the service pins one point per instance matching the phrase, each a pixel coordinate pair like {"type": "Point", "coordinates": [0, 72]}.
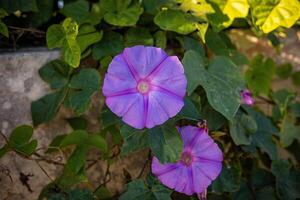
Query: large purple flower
{"type": "Point", "coordinates": [199, 164]}
{"type": "Point", "coordinates": [145, 86]}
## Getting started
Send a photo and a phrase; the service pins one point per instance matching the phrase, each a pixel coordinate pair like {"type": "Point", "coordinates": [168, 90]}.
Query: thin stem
{"type": "Point", "coordinates": [27, 29]}
{"type": "Point", "coordinates": [266, 100]}
{"type": "Point", "coordinates": [4, 136]}
{"type": "Point", "coordinates": [145, 165]}
{"type": "Point", "coordinates": [43, 158]}
{"type": "Point", "coordinates": [45, 172]}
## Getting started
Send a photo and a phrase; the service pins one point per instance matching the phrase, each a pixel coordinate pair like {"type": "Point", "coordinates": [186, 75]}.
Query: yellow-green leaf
{"type": "Point", "coordinates": [285, 14]}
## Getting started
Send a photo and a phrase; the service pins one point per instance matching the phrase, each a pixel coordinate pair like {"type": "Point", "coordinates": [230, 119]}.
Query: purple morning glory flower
{"type": "Point", "coordinates": [246, 97]}
{"type": "Point", "coordinates": [200, 163]}
{"type": "Point", "coordinates": [145, 86]}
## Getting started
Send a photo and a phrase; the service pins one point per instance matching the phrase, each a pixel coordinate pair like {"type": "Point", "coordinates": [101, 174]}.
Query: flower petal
{"type": "Point", "coordinates": [135, 115]}
{"type": "Point", "coordinates": [144, 59]}
{"type": "Point", "coordinates": [118, 78]}
{"type": "Point", "coordinates": [156, 114]}
{"type": "Point", "coordinates": [121, 104]}
{"type": "Point", "coordinates": [171, 104]}
{"type": "Point", "coordinates": [114, 85]}
{"type": "Point", "coordinates": [170, 75]}
{"type": "Point", "coordinates": [200, 180]}
{"type": "Point", "coordinates": [166, 173]}
{"type": "Point", "coordinates": [209, 152]}
{"type": "Point", "coordinates": [210, 168]}
{"type": "Point", "coordinates": [185, 181]}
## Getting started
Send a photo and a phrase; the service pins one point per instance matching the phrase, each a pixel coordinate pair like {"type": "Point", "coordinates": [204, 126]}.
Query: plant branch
{"type": "Point", "coordinates": [145, 165]}
{"type": "Point", "coordinates": [27, 29]}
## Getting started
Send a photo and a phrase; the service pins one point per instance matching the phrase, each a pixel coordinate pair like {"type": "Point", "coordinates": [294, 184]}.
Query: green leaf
{"type": "Point", "coordinates": [80, 12]}
{"type": "Point", "coordinates": [160, 39]}
{"type": "Point", "coordinates": [215, 120]}
{"type": "Point", "coordinates": [193, 67]}
{"type": "Point", "coordinates": [97, 141]}
{"type": "Point", "coordinates": [64, 36]}
{"type": "Point", "coordinates": [3, 13]}
{"type": "Point", "coordinates": [228, 181]}
{"type": "Point", "coordinates": [46, 9]}
{"type": "Point", "coordinates": [259, 74]}
{"type": "Point", "coordinates": [218, 20]}
{"type": "Point", "coordinates": [138, 36]}
{"type": "Point", "coordinates": [202, 29]}
{"type": "Point", "coordinates": [284, 71]}
{"type": "Point", "coordinates": [77, 160]}
{"type": "Point", "coordinates": [55, 143]}
{"type": "Point", "coordinates": [175, 20]}
{"type": "Point", "coordinates": [45, 108]}
{"type": "Point", "coordinates": [71, 28]}
{"type": "Point", "coordinates": [241, 127]}
{"type": "Point", "coordinates": [84, 85]}
{"type": "Point", "coordinates": [244, 193]}
{"type": "Point", "coordinates": [80, 194]}
{"type": "Point", "coordinates": [3, 29]}
{"type": "Point", "coordinates": [120, 12]}
{"type": "Point", "coordinates": [296, 78]}
{"type": "Point", "coordinates": [215, 43]}
{"type": "Point", "coordinates": [108, 118]}
{"type": "Point", "coordinates": [266, 193]}
{"type": "Point", "coordinates": [283, 99]}
{"type": "Point", "coordinates": [78, 137]}
{"type": "Point", "coordinates": [139, 190]}
{"type": "Point", "coordinates": [69, 178]}
{"type": "Point", "coordinates": [154, 6]}
{"type": "Point", "coordinates": [189, 110]}
{"type": "Point", "coordinates": [287, 180]}
{"type": "Point", "coordinates": [193, 44]}
{"type": "Point", "coordinates": [295, 109]}
{"type": "Point", "coordinates": [19, 140]}
{"type": "Point", "coordinates": [262, 138]}
{"type": "Point", "coordinates": [56, 73]}
{"type": "Point", "coordinates": [261, 178]}
{"type": "Point", "coordinates": [78, 123]}
{"type": "Point", "coordinates": [165, 143]}
{"type": "Point", "coordinates": [87, 36]}
{"type": "Point", "coordinates": [111, 44]}
{"type": "Point", "coordinates": [134, 139]}
{"type": "Point", "coordinates": [222, 81]}
{"type": "Point", "coordinates": [71, 53]}
{"type": "Point", "coordinates": [103, 193]}
{"type": "Point", "coordinates": [55, 36]}
{"type": "Point", "coordinates": [289, 132]}
{"type": "Point", "coordinates": [22, 5]}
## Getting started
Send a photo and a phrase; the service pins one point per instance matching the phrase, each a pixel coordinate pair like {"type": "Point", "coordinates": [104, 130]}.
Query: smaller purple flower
{"type": "Point", "coordinates": [246, 97]}
{"type": "Point", "coordinates": [200, 163]}
{"type": "Point", "coordinates": [144, 86]}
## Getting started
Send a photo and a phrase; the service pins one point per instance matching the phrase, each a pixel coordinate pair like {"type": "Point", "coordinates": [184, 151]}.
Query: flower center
{"type": "Point", "coordinates": [186, 158]}
{"type": "Point", "coordinates": [143, 87]}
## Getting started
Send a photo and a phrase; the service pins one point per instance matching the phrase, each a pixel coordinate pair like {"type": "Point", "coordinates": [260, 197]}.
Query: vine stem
{"type": "Point", "coordinates": [145, 165]}
{"type": "Point", "coordinates": [27, 29]}
{"type": "Point", "coordinates": [4, 136]}
{"type": "Point", "coordinates": [45, 172]}
{"type": "Point", "coordinates": [266, 100]}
